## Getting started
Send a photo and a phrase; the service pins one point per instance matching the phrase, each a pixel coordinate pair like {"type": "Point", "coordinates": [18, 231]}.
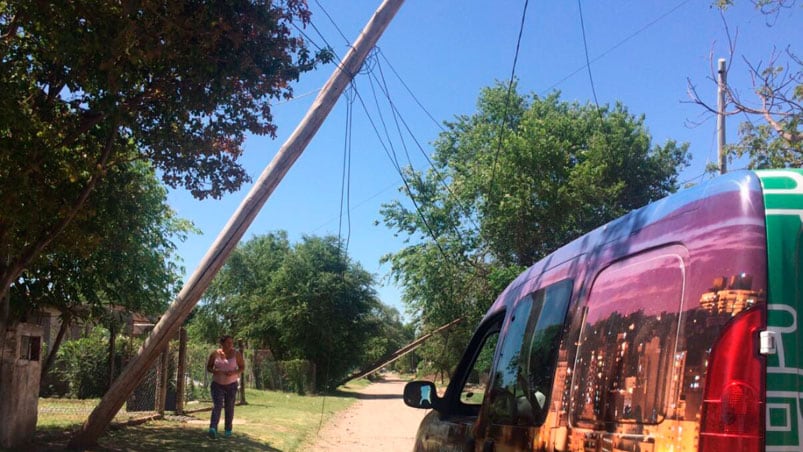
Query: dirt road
{"type": "Point", "coordinates": [378, 421]}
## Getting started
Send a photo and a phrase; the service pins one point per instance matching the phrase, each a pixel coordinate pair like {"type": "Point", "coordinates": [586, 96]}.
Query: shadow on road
{"type": "Point", "coordinates": [377, 396]}
{"type": "Point", "coordinates": [393, 391]}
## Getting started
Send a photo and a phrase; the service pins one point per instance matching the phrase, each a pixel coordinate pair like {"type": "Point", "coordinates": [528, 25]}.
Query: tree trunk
{"type": "Point", "coordinates": [5, 305]}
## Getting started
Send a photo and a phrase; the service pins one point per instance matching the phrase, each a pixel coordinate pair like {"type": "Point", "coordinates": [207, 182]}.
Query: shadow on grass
{"type": "Point", "coordinates": [163, 437]}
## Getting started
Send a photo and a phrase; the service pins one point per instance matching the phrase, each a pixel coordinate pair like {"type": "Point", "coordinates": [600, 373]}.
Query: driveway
{"type": "Point", "coordinates": [378, 421]}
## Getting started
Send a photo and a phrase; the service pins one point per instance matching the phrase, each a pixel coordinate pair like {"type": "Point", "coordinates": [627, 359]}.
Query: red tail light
{"type": "Point", "coordinates": [733, 404]}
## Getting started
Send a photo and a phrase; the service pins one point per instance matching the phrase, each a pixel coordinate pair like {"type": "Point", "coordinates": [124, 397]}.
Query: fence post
{"type": "Point", "coordinates": [242, 375]}
{"type": "Point", "coordinates": [162, 384]}
{"type": "Point", "coordinates": [181, 378]}
{"type": "Point", "coordinates": [112, 346]}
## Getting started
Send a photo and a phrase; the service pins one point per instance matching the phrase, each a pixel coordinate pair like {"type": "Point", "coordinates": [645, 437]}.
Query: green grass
{"type": "Point", "coordinates": [271, 421]}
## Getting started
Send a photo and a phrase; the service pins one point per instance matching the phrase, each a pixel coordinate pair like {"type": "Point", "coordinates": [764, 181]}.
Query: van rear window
{"type": "Point", "coordinates": [624, 370]}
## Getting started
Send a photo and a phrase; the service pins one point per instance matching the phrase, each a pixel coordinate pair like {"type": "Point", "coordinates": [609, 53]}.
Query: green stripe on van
{"type": "Point", "coordinates": [783, 199]}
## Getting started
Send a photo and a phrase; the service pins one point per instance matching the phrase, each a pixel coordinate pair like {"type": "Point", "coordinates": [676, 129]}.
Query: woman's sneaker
{"type": "Point", "coordinates": [212, 433]}
{"type": "Point", "coordinates": [227, 433]}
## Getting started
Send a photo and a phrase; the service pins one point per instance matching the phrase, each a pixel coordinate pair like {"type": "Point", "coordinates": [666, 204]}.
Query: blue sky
{"type": "Point", "coordinates": [642, 52]}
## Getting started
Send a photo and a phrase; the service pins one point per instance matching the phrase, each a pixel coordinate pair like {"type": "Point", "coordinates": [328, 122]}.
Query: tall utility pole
{"type": "Point", "coordinates": [721, 88]}
{"type": "Point", "coordinates": [234, 230]}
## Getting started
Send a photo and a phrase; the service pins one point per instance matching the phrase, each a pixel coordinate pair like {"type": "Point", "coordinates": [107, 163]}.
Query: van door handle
{"type": "Point", "coordinates": [488, 446]}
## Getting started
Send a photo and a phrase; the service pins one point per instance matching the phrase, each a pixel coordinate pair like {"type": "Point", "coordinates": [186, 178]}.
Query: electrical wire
{"type": "Point", "coordinates": [441, 178]}
{"type": "Point", "coordinates": [617, 45]}
{"type": "Point", "coordinates": [588, 63]}
{"type": "Point", "coordinates": [345, 188]}
{"type": "Point", "coordinates": [333, 22]}
{"type": "Point", "coordinates": [437, 123]}
{"type": "Point", "coordinates": [503, 124]}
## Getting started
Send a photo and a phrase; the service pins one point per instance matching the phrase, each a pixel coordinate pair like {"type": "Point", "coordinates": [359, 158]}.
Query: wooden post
{"type": "Point", "coordinates": [162, 380]}
{"type": "Point", "coordinates": [112, 346]}
{"type": "Point", "coordinates": [181, 379]}
{"type": "Point", "coordinates": [234, 230]}
{"type": "Point", "coordinates": [721, 88]}
{"type": "Point", "coordinates": [242, 375]}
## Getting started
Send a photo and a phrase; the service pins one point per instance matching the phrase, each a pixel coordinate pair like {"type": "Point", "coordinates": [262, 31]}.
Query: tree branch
{"type": "Point", "coordinates": [14, 269]}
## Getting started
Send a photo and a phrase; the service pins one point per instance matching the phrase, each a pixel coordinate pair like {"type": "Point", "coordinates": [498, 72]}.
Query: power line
{"type": "Point", "coordinates": [368, 69]}
{"type": "Point", "coordinates": [618, 44]}
{"type": "Point", "coordinates": [507, 103]}
{"type": "Point", "coordinates": [404, 181]}
{"type": "Point", "coordinates": [333, 22]}
{"type": "Point", "coordinates": [345, 188]}
{"type": "Point", "coordinates": [588, 63]}
{"type": "Point", "coordinates": [441, 178]}
{"type": "Point", "coordinates": [411, 92]}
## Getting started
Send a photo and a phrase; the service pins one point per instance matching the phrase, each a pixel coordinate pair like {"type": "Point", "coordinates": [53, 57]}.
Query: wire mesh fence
{"type": "Point", "coordinates": [173, 385]}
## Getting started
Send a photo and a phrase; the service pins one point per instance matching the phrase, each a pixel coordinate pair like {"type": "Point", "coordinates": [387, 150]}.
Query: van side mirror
{"type": "Point", "coordinates": [421, 394]}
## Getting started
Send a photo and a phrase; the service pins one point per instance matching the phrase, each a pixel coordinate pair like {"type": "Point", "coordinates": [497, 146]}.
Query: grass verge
{"type": "Point", "coordinates": [272, 421]}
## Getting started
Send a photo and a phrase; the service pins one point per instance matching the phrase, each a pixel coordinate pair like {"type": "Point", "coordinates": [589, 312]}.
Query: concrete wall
{"type": "Point", "coordinates": [20, 369]}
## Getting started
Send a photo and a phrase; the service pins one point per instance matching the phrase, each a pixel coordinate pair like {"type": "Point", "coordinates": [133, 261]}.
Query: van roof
{"type": "Point", "coordinates": [627, 225]}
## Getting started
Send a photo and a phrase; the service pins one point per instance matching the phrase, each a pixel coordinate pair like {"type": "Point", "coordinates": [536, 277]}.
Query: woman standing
{"type": "Point", "coordinates": [226, 364]}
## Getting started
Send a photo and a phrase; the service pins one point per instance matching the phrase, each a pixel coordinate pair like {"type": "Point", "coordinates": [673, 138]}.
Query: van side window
{"type": "Point", "coordinates": [473, 391]}
{"type": "Point", "coordinates": [522, 383]}
{"type": "Point", "coordinates": [624, 372]}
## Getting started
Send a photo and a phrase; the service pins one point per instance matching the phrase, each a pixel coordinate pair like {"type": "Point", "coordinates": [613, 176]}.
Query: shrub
{"type": "Point", "coordinates": [83, 364]}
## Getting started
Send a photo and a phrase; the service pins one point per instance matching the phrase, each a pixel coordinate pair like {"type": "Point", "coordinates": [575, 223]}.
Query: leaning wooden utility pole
{"type": "Point", "coordinates": [234, 230]}
{"type": "Point", "coordinates": [384, 361]}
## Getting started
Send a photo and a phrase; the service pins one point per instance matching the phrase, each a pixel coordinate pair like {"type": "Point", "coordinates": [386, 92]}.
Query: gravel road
{"type": "Point", "coordinates": [378, 421]}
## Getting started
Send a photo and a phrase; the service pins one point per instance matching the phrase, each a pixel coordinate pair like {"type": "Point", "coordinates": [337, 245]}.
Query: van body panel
{"type": "Point", "coordinates": [783, 196]}
{"type": "Point", "coordinates": [651, 292]}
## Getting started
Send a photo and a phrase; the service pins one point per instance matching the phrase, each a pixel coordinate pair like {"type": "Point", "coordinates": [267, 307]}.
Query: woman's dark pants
{"type": "Point", "coordinates": [223, 396]}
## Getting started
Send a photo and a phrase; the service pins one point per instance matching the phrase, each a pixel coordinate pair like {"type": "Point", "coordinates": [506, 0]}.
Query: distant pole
{"type": "Point", "coordinates": [721, 84]}
{"type": "Point", "coordinates": [242, 375]}
{"type": "Point", "coordinates": [181, 377]}
{"type": "Point", "coordinates": [234, 230]}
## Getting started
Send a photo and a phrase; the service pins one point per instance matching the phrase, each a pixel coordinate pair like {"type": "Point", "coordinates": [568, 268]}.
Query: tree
{"type": "Point", "coordinates": [772, 136]}
{"type": "Point", "coordinates": [392, 334]}
{"type": "Point", "coordinates": [88, 85]}
{"type": "Point", "coordinates": [321, 307]}
{"type": "Point", "coordinates": [233, 302]}
{"type": "Point", "coordinates": [128, 261]}
{"type": "Point", "coordinates": [304, 301]}
{"type": "Point", "coordinates": [512, 183]}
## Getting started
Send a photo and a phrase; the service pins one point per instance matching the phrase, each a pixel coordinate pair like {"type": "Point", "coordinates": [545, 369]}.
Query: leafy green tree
{"type": "Point", "coordinates": [391, 334]}
{"type": "Point", "coordinates": [128, 261]}
{"type": "Point", "coordinates": [510, 184]}
{"type": "Point", "coordinates": [233, 304]}
{"type": "Point", "coordinates": [306, 301]}
{"type": "Point", "coordinates": [88, 84]}
{"type": "Point", "coordinates": [321, 307]}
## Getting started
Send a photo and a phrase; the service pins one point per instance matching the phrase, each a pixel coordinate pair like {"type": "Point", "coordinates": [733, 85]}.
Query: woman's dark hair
{"type": "Point", "coordinates": [223, 338]}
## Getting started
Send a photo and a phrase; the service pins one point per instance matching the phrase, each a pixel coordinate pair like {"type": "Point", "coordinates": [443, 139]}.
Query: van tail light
{"type": "Point", "coordinates": [735, 388]}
